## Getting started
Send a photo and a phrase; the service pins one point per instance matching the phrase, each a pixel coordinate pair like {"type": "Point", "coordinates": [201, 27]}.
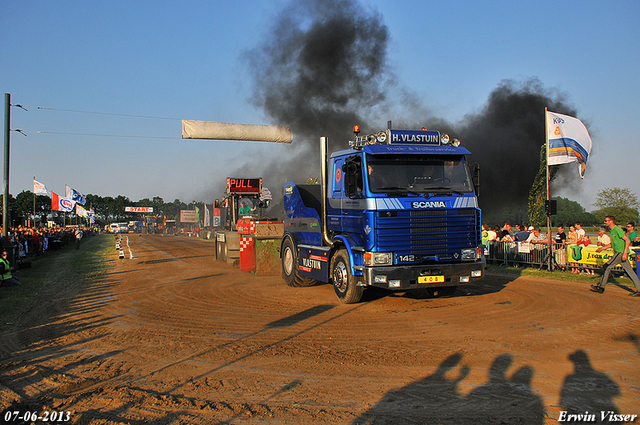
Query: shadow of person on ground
{"type": "Point", "coordinates": [436, 399]}
{"type": "Point", "coordinates": [587, 390]}
{"type": "Point", "coordinates": [503, 399]}
{"type": "Point", "coordinates": [429, 400]}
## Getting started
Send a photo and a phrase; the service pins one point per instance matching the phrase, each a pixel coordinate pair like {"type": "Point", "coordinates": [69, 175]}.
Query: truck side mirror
{"type": "Point", "coordinates": [352, 178]}
{"type": "Point", "coordinates": [475, 176]}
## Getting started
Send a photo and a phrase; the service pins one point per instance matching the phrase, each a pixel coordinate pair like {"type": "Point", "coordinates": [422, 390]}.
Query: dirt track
{"type": "Point", "coordinates": [172, 336]}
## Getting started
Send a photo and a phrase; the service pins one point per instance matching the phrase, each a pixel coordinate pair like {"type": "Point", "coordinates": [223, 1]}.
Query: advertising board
{"type": "Point", "coordinates": [187, 216]}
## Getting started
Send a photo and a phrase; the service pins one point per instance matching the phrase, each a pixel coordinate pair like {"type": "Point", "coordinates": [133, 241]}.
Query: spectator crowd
{"type": "Point", "coordinates": [501, 243]}
{"type": "Point", "coordinates": [34, 241]}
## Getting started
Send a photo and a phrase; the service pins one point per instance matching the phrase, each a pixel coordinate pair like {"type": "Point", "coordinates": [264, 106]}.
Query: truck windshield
{"type": "Point", "coordinates": [418, 174]}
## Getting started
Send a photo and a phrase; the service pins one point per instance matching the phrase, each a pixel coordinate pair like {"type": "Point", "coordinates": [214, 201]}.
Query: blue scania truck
{"type": "Point", "coordinates": [397, 210]}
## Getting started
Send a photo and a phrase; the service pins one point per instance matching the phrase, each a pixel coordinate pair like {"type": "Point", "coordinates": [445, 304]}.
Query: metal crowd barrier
{"type": "Point", "coordinates": [524, 254]}
{"type": "Point", "coordinates": [564, 257]}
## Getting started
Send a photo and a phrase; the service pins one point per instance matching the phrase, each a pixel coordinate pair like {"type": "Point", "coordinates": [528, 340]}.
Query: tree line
{"type": "Point", "coordinates": [621, 203]}
{"type": "Point", "coordinates": [107, 209]}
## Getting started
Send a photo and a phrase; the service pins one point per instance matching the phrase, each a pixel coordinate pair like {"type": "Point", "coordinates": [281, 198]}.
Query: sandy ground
{"type": "Point", "coordinates": [172, 336]}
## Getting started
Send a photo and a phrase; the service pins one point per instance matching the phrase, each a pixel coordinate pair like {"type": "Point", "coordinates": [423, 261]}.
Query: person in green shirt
{"type": "Point", "coordinates": [620, 244]}
{"type": "Point", "coordinates": [246, 207]}
{"type": "Point", "coordinates": [6, 278]}
{"type": "Point", "coordinates": [631, 231]}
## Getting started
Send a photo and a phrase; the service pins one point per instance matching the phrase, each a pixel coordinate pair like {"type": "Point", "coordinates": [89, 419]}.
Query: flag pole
{"type": "Point", "coordinates": [546, 136]}
{"type": "Point", "coordinates": [34, 202]}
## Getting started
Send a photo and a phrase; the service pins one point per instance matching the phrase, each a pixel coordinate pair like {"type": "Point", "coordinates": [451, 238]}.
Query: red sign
{"type": "Point", "coordinates": [244, 185]}
{"type": "Point", "coordinates": [216, 217]}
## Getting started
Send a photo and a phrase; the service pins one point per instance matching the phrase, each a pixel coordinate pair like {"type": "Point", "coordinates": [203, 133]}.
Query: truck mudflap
{"type": "Point", "coordinates": [424, 275]}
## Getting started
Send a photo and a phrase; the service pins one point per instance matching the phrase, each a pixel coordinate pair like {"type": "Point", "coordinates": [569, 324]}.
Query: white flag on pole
{"type": "Point", "coordinates": [40, 189]}
{"type": "Point", "coordinates": [569, 141]}
{"type": "Point", "coordinates": [207, 216]}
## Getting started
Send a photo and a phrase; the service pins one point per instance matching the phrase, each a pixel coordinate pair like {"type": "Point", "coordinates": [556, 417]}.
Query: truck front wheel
{"type": "Point", "coordinates": [344, 283]}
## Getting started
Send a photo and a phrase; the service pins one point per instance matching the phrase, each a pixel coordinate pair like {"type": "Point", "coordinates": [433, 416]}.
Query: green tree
{"type": "Point", "coordinates": [621, 203]}
{"type": "Point", "coordinates": [26, 206]}
{"type": "Point", "coordinates": [24, 203]}
{"type": "Point", "coordinates": [570, 212]}
{"type": "Point", "coordinates": [172, 210]}
{"type": "Point", "coordinates": [43, 208]}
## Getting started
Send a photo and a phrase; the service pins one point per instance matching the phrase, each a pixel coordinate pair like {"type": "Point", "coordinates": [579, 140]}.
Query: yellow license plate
{"type": "Point", "coordinates": [430, 279]}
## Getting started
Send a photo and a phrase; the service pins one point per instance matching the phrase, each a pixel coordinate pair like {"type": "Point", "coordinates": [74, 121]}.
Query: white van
{"type": "Point", "coordinates": [119, 228]}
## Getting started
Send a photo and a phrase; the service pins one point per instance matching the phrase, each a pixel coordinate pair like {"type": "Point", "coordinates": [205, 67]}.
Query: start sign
{"type": "Point", "coordinates": [139, 209]}
{"type": "Point", "coordinates": [244, 185]}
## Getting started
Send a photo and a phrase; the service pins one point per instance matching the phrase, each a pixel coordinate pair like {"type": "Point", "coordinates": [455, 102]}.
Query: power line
{"type": "Point", "coordinates": [106, 113]}
{"type": "Point", "coordinates": [107, 135]}
{"type": "Point", "coordinates": [125, 136]}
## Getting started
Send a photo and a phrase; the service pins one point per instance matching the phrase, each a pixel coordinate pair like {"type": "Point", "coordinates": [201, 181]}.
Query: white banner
{"type": "Point", "coordinates": [81, 211]}
{"type": "Point", "coordinates": [207, 216]}
{"type": "Point", "coordinates": [40, 189]}
{"type": "Point", "coordinates": [569, 141]}
{"type": "Point", "coordinates": [61, 204]}
{"type": "Point", "coordinates": [138, 209]}
{"type": "Point", "coordinates": [192, 129]}
{"type": "Point", "coordinates": [187, 216]}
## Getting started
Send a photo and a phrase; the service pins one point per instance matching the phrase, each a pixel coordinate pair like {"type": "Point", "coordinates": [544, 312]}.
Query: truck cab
{"type": "Point", "coordinates": [400, 213]}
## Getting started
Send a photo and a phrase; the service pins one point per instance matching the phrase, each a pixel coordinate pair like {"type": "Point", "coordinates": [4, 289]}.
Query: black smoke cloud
{"type": "Point", "coordinates": [322, 70]}
{"type": "Point", "coordinates": [505, 138]}
{"type": "Point", "coordinates": [324, 67]}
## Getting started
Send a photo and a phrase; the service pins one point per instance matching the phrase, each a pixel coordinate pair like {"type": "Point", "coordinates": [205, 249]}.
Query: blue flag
{"type": "Point", "coordinates": [74, 195]}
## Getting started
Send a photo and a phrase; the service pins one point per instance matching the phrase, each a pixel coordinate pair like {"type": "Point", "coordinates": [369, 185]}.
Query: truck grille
{"type": "Point", "coordinates": [439, 233]}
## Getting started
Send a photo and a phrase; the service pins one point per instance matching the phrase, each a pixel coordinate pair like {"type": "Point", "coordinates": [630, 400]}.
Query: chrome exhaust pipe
{"type": "Point", "coordinates": [324, 148]}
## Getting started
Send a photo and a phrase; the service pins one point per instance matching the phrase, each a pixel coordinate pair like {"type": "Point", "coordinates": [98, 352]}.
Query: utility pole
{"type": "Point", "coordinates": [7, 138]}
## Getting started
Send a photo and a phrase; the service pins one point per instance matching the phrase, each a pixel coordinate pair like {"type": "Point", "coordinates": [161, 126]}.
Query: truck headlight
{"type": "Point", "coordinates": [468, 254]}
{"type": "Point", "coordinates": [381, 136]}
{"type": "Point", "coordinates": [380, 278]}
{"type": "Point", "coordinates": [378, 258]}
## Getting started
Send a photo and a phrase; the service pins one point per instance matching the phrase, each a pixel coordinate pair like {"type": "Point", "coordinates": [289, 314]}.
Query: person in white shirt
{"type": "Point", "coordinates": [580, 231]}
{"type": "Point", "coordinates": [603, 238]}
{"type": "Point", "coordinates": [537, 237]}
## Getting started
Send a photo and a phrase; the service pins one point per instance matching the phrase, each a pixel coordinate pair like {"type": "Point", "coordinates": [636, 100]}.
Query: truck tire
{"type": "Point", "coordinates": [216, 244]}
{"type": "Point", "coordinates": [289, 263]}
{"type": "Point", "coordinates": [232, 249]}
{"type": "Point", "coordinates": [344, 283]}
{"type": "Point", "coordinates": [220, 251]}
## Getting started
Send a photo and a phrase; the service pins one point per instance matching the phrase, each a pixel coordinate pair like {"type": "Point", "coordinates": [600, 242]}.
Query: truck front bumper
{"type": "Point", "coordinates": [433, 275]}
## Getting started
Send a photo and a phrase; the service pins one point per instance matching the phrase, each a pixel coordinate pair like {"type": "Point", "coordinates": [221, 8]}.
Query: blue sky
{"type": "Point", "coordinates": [136, 68]}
